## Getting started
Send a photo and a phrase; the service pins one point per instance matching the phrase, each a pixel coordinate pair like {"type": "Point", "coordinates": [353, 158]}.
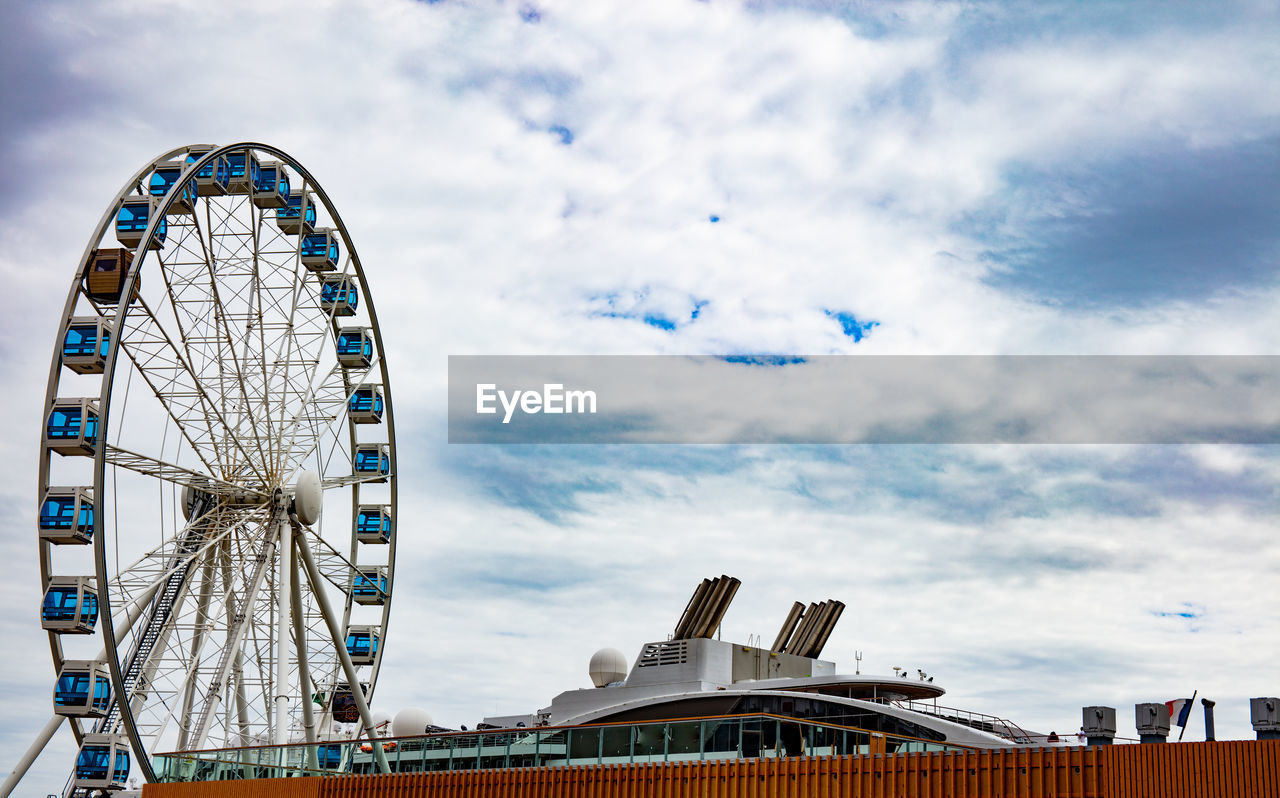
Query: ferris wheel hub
{"type": "Point", "coordinates": [308, 497]}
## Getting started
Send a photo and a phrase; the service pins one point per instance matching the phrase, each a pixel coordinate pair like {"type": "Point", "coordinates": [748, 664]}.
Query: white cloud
{"type": "Point", "coordinates": [842, 162]}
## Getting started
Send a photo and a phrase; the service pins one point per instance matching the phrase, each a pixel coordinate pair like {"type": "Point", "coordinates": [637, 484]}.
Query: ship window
{"type": "Point", "coordinates": [833, 712]}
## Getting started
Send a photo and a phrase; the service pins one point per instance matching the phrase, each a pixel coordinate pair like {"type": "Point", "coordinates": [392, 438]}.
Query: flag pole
{"type": "Point", "coordinates": [1192, 702]}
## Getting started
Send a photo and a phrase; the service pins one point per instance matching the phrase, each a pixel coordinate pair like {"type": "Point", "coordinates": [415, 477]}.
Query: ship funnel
{"type": "Point", "coordinates": [805, 632]}
{"type": "Point", "coordinates": [706, 608]}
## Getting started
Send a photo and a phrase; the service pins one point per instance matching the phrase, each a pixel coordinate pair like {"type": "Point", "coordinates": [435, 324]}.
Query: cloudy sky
{"type": "Point", "coordinates": [672, 176]}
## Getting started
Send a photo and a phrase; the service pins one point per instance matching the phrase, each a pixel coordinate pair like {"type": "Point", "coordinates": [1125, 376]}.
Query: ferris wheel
{"type": "Point", "coordinates": [217, 472]}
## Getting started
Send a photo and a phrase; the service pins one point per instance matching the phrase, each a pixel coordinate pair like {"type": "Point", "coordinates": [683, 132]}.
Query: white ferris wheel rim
{"type": "Point", "coordinates": [223, 483]}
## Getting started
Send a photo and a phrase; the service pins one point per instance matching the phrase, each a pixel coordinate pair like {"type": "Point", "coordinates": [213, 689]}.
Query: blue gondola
{"type": "Point", "coordinates": [243, 172]}
{"type": "Point", "coordinates": [362, 644]}
{"type": "Point", "coordinates": [271, 189]}
{"type": "Point", "coordinates": [369, 585]}
{"type": "Point", "coordinates": [70, 605]}
{"type": "Point", "coordinates": [213, 177]}
{"type": "Point", "coordinates": [339, 295]}
{"type": "Point", "coordinates": [329, 757]}
{"type": "Point", "coordinates": [298, 215]}
{"type": "Point", "coordinates": [365, 404]}
{"type": "Point", "coordinates": [85, 344]}
{"type": "Point", "coordinates": [132, 218]}
{"type": "Point", "coordinates": [355, 347]}
{"type": "Point", "coordinates": [83, 689]}
{"type": "Point", "coordinates": [103, 762]}
{"type": "Point", "coordinates": [374, 523]}
{"type": "Point", "coordinates": [320, 250]}
{"type": "Point", "coordinates": [373, 461]}
{"type": "Point", "coordinates": [66, 515]}
{"type": "Point", "coordinates": [72, 427]}
{"type": "Point", "coordinates": [164, 178]}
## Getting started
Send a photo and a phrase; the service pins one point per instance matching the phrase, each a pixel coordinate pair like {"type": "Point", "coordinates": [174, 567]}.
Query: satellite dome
{"type": "Point", "coordinates": [411, 721]}
{"type": "Point", "coordinates": [608, 665]}
{"type": "Point", "coordinates": [381, 721]}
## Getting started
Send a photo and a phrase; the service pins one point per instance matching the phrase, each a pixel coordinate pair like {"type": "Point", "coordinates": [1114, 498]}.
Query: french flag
{"type": "Point", "coordinates": [1179, 710]}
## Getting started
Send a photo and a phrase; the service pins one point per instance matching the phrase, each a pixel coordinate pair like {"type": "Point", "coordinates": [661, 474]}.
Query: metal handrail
{"type": "Point", "coordinates": [1001, 727]}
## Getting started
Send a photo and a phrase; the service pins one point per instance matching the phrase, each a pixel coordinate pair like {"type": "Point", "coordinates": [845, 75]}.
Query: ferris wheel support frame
{"type": "Point", "coordinates": [362, 704]}
{"type": "Point", "coordinates": [284, 617]}
{"type": "Point", "coordinates": [304, 667]}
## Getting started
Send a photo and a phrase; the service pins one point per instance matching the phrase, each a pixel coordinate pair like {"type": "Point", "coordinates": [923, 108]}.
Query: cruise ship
{"type": "Point", "coordinates": [694, 675]}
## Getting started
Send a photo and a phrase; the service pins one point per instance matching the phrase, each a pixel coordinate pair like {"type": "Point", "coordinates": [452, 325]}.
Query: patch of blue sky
{"type": "Point", "coordinates": [1186, 611]}
{"type": "Point", "coordinates": [1136, 229]}
{"type": "Point", "coordinates": [661, 322]}
{"type": "Point", "coordinates": [636, 306]}
{"type": "Point", "coordinates": [850, 325]}
{"type": "Point", "coordinates": [530, 14]}
{"type": "Point", "coordinates": [565, 134]}
{"type": "Point", "coordinates": [764, 360]}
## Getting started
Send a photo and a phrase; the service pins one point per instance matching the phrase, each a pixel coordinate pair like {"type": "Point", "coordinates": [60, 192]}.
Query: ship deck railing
{"type": "Point", "coordinates": [991, 724]}
{"type": "Point", "coordinates": [750, 736]}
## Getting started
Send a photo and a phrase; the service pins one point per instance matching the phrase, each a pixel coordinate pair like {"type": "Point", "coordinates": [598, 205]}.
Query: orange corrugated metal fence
{"type": "Point", "coordinates": [254, 788]}
{"type": "Point", "coordinates": [1066, 773]}
{"type": "Point", "coordinates": [1235, 769]}
{"type": "Point", "coordinates": [1240, 769]}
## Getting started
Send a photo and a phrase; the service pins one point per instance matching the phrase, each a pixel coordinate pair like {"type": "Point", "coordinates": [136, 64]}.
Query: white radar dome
{"type": "Point", "coordinates": [410, 721]}
{"type": "Point", "coordinates": [608, 665]}
{"type": "Point", "coordinates": [308, 498]}
{"type": "Point", "coordinates": [381, 721]}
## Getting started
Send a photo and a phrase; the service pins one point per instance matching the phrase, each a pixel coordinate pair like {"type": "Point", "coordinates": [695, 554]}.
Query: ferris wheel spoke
{"type": "Point", "coordinates": [203, 624]}
{"type": "Point", "coordinates": [225, 344]}
{"type": "Point", "coordinates": [150, 645]}
{"type": "Point", "coordinates": [257, 325]}
{"type": "Point", "coordinates": [299, 285]}
{"type": "Point", "coordinates": [168, 372]}
{"type": "Point", "coordinates": [295, 366]}
{"type": "Point", "coordinates": [354, 479]}
{"type": "Point", "coordinates": [332, 402]}
{"type": "Point", "coordinates": [187, 682]}
{"type": "Point", "coordinates": [233, 493]}
{"type": "Point", "coordinates": [237, 670]}
{"type": "Point", "coordinates": [331, 563]}
{"type": "Point", "coordinates": [189, 358]}
{"type": "Point", "coordinates": [154, 567]}
{"type": "Point", "coordinates": [237, 626]}
{"type": "Point", "coordinates": [188, 290]}
{"type": "Point", "coordinates": [223, 261]}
